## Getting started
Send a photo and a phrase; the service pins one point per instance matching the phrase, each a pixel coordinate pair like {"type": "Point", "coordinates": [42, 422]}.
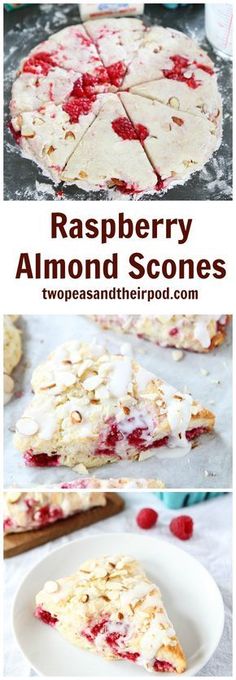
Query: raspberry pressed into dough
{"type": "Point", "coordinates": [168, 90]}
{"type": "Point", "coordinates": [94, 407]}
{"type": "Point", "coordinates": [110, 607]}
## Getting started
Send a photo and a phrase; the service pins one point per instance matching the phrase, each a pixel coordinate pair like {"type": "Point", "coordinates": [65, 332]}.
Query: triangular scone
{"type": "Point", "coordinates": [117, 41]}
{"type": "Point", "coordinates": [110, 607]}
{"type": "Point", "coordinates": [176, 143]}
{"type": "Point", "coordinates": [110, 154]}
{"type": "Point", "coordinates": [49, 136]}
{"type": "Point", "coordinates": [30, 91]}
{"type": "Point", "coordinates": [169, 53]}
{"type": "Point", "coordinates": [70, 49]}
{"type": "Point", "coordinates": [195, 332]}
{"type": "Point", "coordinates": [205, 99]}
{"type": "Point", "coordinates": [93, 407]}
{"type": "Point", "coordinates": [26, 511]}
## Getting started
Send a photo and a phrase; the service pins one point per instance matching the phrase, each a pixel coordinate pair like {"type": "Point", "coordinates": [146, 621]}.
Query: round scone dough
{"type": "Point", "coordinates": [114, 104]}
{"type": "Point", "coordinates": [12, 354]}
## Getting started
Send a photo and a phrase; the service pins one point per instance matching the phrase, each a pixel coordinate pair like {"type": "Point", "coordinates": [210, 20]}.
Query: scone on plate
{"type": "Point", "coordinates": [110, 607]}
{"type": "Point", "coordinates": [12, 354]}
{"type": "Point", "coordinates": [94, 407]}
{"type": "Point", "coordinates": [194, 332]}
{"type": "Point", "coordinates": [113, 483]}
{"type": "Point", "coordinates": [25, 511]}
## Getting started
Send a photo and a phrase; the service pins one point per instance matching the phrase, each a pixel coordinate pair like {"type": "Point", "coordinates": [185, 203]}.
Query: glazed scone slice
{"type": "Point", "coordinates": [176, 143]}
{"type": "Point", "coordinates": [52, 134]}
{"type": "Point", "coordinates": [168, 53]}
{"type": "Point", "coordinates": [117, 41]}
{"type": "Point", "coordinates": [110, 154]}
{"type": "Point", "coordinates": [203, 100]}
{"type": "Point", "coordinates": [11, 354]}
{"type": "Point", "coordinates": [26, 511]}
{"type": "Point", "coordinates": [94, 407]}
{"type": "Point", "coordinates": [196, 332]}
{"type": "Point", "coordinates": [110, 607]}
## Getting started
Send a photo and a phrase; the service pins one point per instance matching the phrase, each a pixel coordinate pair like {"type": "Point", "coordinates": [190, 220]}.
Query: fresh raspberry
{"type": "Point", "coordinates": [173, 331]}
{"type": "Point", "coordinates": [205, 68]}
{"type": "Point", "coordinates": [40, 64]}
{"type": "Point", "coordinates": [41, 459]}
{"type": "Point", "coordinates": [177, 72]}
{"type": "Point", "coordinates": [182, 527]}
{"type": "Point", "coordinates": [160, 184]}
{"type": "Point", "coordinates": [142, 131]}
{"type": "Point", "coordinates": [77, 107]}
{"type": "Point", "coordinates": [137, 437]}
{"type": "Point", "coordinates": [124, 128]}
{"type": "Point", "coordinates": [15, 133]}
{"type": "Point", "coordinates": [195, 432]}
{"type": "Point", "coordinates": [45, 616]}
{"type": "Point", "coordinates": [116, 73]}
{"type": "Point", "coordinates": [162, 666]}
{"type": "Point", "coordinates": [147, 518]}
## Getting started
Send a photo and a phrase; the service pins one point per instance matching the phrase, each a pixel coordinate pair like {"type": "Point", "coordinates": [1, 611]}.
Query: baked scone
{"type": "Point", "coordinates": [25, 511]}
{"type": "Point", "coordinates": [93, 407]}
{"type": "Point", "coordinates": [113, 483]}
{"type": "Point", "coordinates": [11, 355]}
{"type": "Point", "coordinates": [110, 607]}
{"type": "Point", "coordinates": [162, 73]}
{"type": "Point", "coordinates": [110, 154]}
{"type": "Point", "coordinates": [194, 332]}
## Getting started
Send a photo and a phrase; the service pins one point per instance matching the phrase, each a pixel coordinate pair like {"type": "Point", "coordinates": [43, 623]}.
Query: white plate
{"type": "Point", "coordinates": [191, 596]}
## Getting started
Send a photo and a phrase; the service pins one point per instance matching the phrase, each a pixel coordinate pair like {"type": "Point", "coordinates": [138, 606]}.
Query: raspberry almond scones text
{"type": "Point", "coordinates": [93, 407]}
{"type": "Point", "coordinates": [110, 607]}
{"type": "Point", "coordinates": [116, 104]}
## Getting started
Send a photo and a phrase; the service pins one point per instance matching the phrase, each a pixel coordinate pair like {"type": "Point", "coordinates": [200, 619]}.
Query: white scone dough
{"type": "Point", "coordinates": [195, 332]}
{"type": "Point", "coordinates": [65, 104]}
{"type": "Point", "coordinates": [110, 607]}
{"type": "Point", "coordinates": [93, 407]}
{"type": "Point", "coordinates": [11, 355]}
{"type": "Point", "coordinates": [25, 511]}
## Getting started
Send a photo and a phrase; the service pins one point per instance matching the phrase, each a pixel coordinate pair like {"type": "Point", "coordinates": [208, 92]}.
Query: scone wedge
{"type": "Point", "coordinates": [27, 511]}
{"type": "Point", "coordinates": [94, 407]}
{"type": "Point", "coordinates": [110, 607]}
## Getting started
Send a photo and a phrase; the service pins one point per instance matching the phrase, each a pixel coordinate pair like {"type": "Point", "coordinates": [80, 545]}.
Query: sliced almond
{"type": "Point", "coordinates": [83, 174]}
{"type": "Point", "coordinates": [76, 417]}
{"type": "Point", "coordinates": [51, 586]}
{"type": "Point", "coordinates": [29, 134]}
{"type": "Point", "coordinates": [178, 121]}
{"type": "Point", "coordinates": [84, 598]}
{"type": "Point", "coordinates": [48, 387]}
{"type": "Point", "coordinates": [69, 135]}
{"type": "Point", "coordinates": [177, 354]}
{"type": "Point", "coordinates": [100, 573]}
{"type": "Point", "coordinates": [51, 150]}
{"type": "Point", "coordinates": [174, 102]}
{"type": "Point", "coordinates": [92, 382]}
{"type": "Point", "coordinates": [27, 426]}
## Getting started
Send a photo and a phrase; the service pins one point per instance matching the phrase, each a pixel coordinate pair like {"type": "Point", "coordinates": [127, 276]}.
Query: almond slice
{"type": "Point", "coordinates": [27, 426]}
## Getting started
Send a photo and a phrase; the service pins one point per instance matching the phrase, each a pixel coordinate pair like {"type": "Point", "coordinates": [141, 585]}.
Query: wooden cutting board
{"type": "Point", "coordinates": [14, 544]}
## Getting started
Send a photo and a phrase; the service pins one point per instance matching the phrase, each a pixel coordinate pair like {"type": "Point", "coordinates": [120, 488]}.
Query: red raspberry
{"type": "Point", "coordinates": [40, 63]}
{"type": "Point", "coordinates": [116, 73]}
{"type": "Point", "coordinates": [146, 518]}
{"type": "Point", "coordinates": [142, 131]}
{"type": "Point", "coordinates": [124, 128]}
{"type": "Point", "coordinates": [182, 527]}
{"type": "Point", "coordinates": [77, 107]}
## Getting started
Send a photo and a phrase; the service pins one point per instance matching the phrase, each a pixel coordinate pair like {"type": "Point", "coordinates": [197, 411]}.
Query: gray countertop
{"type": "Point", "coordinates": [26, 27]}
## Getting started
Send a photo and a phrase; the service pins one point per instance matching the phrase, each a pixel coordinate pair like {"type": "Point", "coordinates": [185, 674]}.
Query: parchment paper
{"type": "Point", "coordinates": [206, 466]}
{"type": "Point", "coordinates": [26, 27]}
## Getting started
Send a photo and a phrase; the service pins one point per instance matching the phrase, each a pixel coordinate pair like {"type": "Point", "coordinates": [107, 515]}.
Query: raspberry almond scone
{"type": "Point", "coordinates": [11, 354]}
{"type": "Point", "coordinates": [176, 143]}
{"type": "Point", "coordinates": [196, 332]}
{"type": "Point", "coordinates": [51, 134]}
{"type": "Point", "coordinates": [166, 53]}
{"type": "Point", "coordinates": [110, 154]}
{"type": "Point", "coordinates": [110, 607]}
{"type": "Point", "coordinates": [117, 41]}
{"type": "Point", "coordinates": [93, 407]}
{"type": "Point", "coordinates": [26, 511]}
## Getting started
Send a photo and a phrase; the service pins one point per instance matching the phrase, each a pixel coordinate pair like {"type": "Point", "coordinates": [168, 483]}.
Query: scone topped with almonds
{"type": "Point", "coordinates": [110, 607]}
{"type": "Point", "coordinates": [94, 407]}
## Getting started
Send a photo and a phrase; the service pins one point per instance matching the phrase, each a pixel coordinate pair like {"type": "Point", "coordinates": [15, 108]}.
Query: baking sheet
{"type": "Point", "coordinates": [26, 27]}
{"type": "Point", "coordinates": [206, 466]}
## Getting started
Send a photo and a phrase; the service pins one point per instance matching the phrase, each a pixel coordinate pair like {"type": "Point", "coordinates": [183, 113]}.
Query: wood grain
{"type": "Point", "coordinates": [14, 544]}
